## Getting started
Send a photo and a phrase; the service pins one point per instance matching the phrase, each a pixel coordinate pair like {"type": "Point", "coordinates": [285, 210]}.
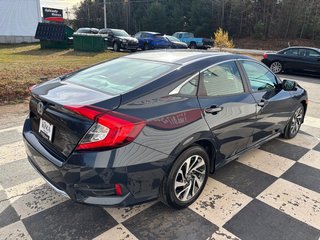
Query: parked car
{"type": "Point", "coordinates": [193, 42]}
{"type": "Point", "coordinates": [175, 42]}
{"type": "Point", "coordinates": [155, 40]}
{"type": "Point", "coordinates": [119, 39]}
{"type": "Point", "coordinates": [152, 40]}
{"type": "Point", "coordinates": [155, 124]}
{"type": "Point", "coordinates": [87, 31]}
{"type": "Point", "coordinates": [294, 59]}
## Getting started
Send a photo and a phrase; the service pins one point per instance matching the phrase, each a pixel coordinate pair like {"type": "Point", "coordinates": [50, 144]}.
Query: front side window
{"type": "Point", "coordinates": [120, 75]}
{"type": "Point", "coordinates": [261, 78]}
{"type": "Point", "coordinates": [312, 53]}
{"type": "Point", "coordinates": [222, 79]}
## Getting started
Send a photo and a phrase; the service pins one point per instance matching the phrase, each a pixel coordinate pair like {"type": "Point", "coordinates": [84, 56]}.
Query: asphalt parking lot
{"type": "Point", "coordinates": [270, 193]}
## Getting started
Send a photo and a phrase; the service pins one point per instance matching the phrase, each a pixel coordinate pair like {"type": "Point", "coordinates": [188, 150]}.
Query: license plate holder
{"type": "Point", "coordinates": [45, 129]}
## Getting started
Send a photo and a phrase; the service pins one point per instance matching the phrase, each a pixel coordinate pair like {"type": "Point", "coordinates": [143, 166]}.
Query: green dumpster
{"type": "Point", "coordinates": [54, 35]}
{"type": "Point", "coordinates": [88, 42]}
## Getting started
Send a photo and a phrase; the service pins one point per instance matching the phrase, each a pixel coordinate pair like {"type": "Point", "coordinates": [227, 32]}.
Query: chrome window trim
{"type": "Point", "coordinates": [225, 61]}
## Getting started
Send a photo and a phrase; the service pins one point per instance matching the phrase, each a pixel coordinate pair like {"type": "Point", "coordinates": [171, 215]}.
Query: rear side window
{"type": "Point", "coordinates": [191, 87]}
{"type": "Point", "coordinates": [120, 75]}
{"type": "Point", "coordinates": [261, 78]}
{"type": "Point", "coordinates": [291, 52]}
{"type": "Point", "coordinates": [222, 79]}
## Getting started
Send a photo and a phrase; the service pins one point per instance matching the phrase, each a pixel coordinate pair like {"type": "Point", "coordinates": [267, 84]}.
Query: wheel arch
{"type": "Point", "coordinates": [205, 140]}
{"type": "Point", "coordinates": [192, 42]}
{"type": "Point", "coordinates": [305, 106]}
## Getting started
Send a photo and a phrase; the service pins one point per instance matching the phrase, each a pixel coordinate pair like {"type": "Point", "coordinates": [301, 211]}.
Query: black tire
{"type": "Point", "coordinates": [133, 50]}
{"type": "Point", "coordinates": [116, 47]}
{"type": "Point", "coordinates": [192, 45]}
{"type": "Point", "coordinates": [276, 67]}
{"type": "Point", "coordinates": [196, 156]}
{"type": "Point", "coordinates": [294, 123]}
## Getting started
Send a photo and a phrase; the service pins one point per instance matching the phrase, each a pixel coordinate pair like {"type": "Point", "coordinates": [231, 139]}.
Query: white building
{"type": "Point", "coordinates": [19, 20]}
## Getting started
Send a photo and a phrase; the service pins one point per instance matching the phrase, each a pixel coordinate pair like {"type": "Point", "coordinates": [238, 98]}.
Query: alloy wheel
{"type": "Point", "coordinates": [296, 121]}
{"type": "Point", "coordinates": [190, 178]}
{"type": "Point", "coordinates": [276, 67]}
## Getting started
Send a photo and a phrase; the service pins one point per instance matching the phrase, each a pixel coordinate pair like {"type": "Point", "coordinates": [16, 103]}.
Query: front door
{"type": "Point", "coordinates": [274, 105]}
{"type": "Point", "coordinates": [312, 61]}
{"type": "Point", "coordinates": [229, 109]}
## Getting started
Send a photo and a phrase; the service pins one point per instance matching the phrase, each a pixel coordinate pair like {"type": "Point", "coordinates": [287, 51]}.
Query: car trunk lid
{"type": "Point", "coordinates": [57, 128]}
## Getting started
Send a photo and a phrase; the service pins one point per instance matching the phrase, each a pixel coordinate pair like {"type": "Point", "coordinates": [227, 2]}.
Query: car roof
{"type": "Point", "coordinates": [116, 29]}
{"type": "Point", "coordinates": [111, 29]}
{"type": "Point", "coordinates": [149, 32]}
{"type": "Point", "coordinates": [183, 32]}
{"type": "Point", "coordinates": [294, 47]}
{"type": "Point", "coordinates": [181, 57]}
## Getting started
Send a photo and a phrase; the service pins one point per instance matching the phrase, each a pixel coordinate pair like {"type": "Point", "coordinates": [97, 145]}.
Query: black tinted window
{"type": "Point", "coordinates": [260, 77]}
{"type": "Point", "coordinates": [222, 79]}
{"type": "Point", "coordinates": [312, 53]}
{"type": "Point", "coordinates": [292, 52]}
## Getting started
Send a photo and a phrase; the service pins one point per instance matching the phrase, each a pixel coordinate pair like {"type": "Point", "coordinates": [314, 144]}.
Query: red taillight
{"type": "Point", "coordinates": [111, 129]}
{"type": "Point", "coordinates": [265, 56]}
{"type": "Point", "coordinates": [118, 189]}
{"type": "Point", "coordinates": [31, 87]}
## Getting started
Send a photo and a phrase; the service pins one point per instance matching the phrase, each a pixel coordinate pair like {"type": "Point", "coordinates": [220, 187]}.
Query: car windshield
{"type": "Point", "coordinates": [120, 75]}
{"type": "Point", "coordinates": [120, 33]}
{"type": "Point", "coordinates": [173, 39]}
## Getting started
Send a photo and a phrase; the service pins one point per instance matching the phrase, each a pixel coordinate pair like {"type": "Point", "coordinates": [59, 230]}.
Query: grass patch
{"type": "Point", "coordinates": [26, 64]}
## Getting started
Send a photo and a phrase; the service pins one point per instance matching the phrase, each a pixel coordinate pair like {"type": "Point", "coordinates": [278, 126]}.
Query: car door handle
{"type": "Point", "coordinates": [213, 109]}
{"type": "Point", "coordinates": [262, 103]}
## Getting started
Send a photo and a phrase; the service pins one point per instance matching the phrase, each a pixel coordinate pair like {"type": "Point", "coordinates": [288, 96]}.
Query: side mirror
{"type": "Point", "coordinates": [289, 85]}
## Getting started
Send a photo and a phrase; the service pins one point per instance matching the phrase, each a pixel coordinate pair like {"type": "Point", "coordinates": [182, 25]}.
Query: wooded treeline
{"type": "Point", "coordinates": [261, 19]}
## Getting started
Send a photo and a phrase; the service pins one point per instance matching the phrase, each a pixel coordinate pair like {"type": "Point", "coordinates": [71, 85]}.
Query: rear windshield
{"type": "Point", "coordinates": [120, 75]}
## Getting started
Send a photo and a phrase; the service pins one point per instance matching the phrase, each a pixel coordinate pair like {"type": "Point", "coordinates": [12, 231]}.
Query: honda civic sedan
{"type": "Point", "coordinates": [294, 60]}
{"type": "Point", "coordinates": [155, 124]}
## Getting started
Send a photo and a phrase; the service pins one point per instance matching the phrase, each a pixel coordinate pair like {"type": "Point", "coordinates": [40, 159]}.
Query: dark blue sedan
{"type": "Point", "coordinates": [155, 124]}
{"type": "Point", "coordinates": [155, 40]}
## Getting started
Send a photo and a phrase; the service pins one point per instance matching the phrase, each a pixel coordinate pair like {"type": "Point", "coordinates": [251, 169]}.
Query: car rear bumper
{"type": "Point", "coordinates": [266, 62]}
{"type": "Point", "coordinates": [89, 178]}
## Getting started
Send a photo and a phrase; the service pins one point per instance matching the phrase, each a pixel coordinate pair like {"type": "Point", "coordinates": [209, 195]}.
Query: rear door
{"type": "Point", "coordinates": [291, 59]}
{"type": "Point", "coordinates": [228, 107]}
{"type": "Point", "coordinates": [274, 105]}
{"type": "Point", "coordinates": [312, 61]}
